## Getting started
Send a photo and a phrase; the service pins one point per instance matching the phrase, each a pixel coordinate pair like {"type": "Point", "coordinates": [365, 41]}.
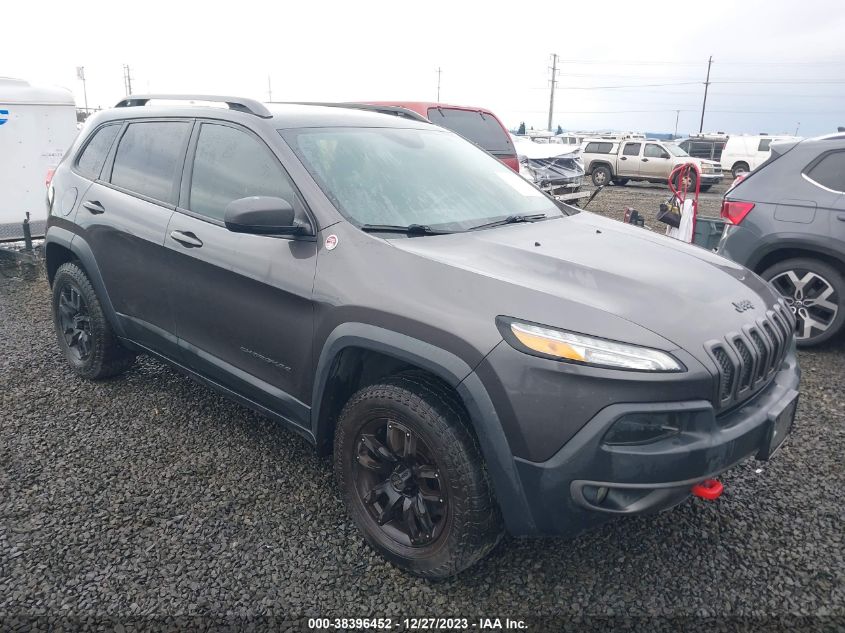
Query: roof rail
{"type": "Point", "coordinates": [249, 106]}
{"type": "Point", "coordinates": [381, 109]}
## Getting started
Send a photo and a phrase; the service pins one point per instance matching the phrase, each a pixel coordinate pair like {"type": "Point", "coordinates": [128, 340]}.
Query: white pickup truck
{"type": "Point", "coordinates": [642, 159]}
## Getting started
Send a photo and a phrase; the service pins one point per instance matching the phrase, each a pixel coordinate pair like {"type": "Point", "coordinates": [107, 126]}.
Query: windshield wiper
{"type": "Point", "coordinates": [410, 229]}
{"type": "Point", "coordinates": [512, 219]}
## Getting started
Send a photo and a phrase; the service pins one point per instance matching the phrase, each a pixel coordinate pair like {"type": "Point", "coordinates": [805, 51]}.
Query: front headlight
{"type": "Point", "coordinates": [587, 350]}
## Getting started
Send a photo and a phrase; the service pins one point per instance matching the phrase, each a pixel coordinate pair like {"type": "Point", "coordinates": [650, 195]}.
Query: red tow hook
{"type": "Point", "coordinates": [709, 489]}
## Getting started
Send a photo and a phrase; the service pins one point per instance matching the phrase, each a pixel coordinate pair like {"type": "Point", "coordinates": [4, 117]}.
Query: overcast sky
{"type": "Point", "coordinates": [492, 54]}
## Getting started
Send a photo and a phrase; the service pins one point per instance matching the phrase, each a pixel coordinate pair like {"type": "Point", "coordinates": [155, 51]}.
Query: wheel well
{"type": "Point", "coordinates": [738, 163]}
{"type": "Point", "coordinates": [600, 163]}
{"type": "Point", "coordinates": [353, 369]}
{"type": "Point", "coordinates": [55, 256]}
{"type": "Point", "coordinates": [792, 253]}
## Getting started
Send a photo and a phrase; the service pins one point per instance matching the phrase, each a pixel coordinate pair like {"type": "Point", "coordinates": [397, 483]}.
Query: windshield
{"type": "Point", "coordinates": [675, 150]}
{"type": "Point", "coordinates": [400, 177]}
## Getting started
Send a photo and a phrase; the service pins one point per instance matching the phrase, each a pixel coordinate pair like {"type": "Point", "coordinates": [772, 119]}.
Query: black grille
{"type": "Point", "coordinates": [747, 363]}
{"type": "Point", "coordinates": [726, 374]}
{"type": "Point", "coordinates": [752, 356]}
{"type": "Point", "coordinates": [762, 355]}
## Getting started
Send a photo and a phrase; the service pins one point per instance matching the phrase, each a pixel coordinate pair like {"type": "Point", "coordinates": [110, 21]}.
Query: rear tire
{"type": "Point", "coordinates": [83, 332]}
{"type": "Point", "coordinates": [815, 292]}
{"type": "Point", "coordinates": [601, 176]}
{"type": "Point", "coordinates": [412, 476]}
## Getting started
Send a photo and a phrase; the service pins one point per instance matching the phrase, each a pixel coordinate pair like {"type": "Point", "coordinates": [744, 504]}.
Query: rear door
{"type": "Point", "coordinates": [481, 128]}
{"type": "Point", "coordinates": [243, 302]}
{"type": "Point", "coordinates": [629, 159]}
{"type": "Point", "coordinates": [124, 215]}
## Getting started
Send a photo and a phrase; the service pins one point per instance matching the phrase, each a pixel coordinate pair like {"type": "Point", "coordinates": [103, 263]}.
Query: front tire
{"type": "Point", "coordinates": [82, 330]}
{"type": "Point", "coordinates": [815, 292]}
{"type": "Point", "coordinates": [412, 476]}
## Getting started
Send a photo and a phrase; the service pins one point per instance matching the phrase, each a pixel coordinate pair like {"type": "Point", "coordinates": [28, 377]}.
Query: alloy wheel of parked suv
{"type": "Point", "coordinates": [813, 291]}
{"type": "Point", "coordinates": [412, 476]}
{"type": "Point", "coordinates": [83, 332]}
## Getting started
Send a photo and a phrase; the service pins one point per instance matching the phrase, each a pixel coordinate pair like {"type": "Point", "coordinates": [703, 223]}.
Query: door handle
{"type": "Point", "coordinates": [187, 238]}
{"type": "Point", "coordinates": [645, 160]}
{"type": "Point", "coordinates": [94, 207]}
{"type": "Point", "coordinates": [622, 158]}
{"type": "Point", "coordinates": [841, 217]}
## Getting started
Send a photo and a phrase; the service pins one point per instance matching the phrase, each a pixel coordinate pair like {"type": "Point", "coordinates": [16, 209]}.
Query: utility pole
{"type": "Point", "coordinates": [127, 79]}
{"type": "Point", "coordinates": [704, 103]}
{"type": "Point", "coordinates": [677, 114]}
{"type": "Point", "coordinates": [797, 126]}
{"type": "Point", "coordinates": [552, 95]}
{"type": "Point", "coordinates": [439, 71]}
{"type": "Point", "coordinates": [80, 74]}
{"type": "Point", "coordinates": [269, 89]}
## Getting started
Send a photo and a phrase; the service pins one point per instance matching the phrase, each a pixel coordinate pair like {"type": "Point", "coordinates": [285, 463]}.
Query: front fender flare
{"type": "Point", "coordinates": [458, 374]}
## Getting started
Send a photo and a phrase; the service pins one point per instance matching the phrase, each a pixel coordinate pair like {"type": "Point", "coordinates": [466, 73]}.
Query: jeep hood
{"type": "Point", "coordinates": [682, 293]}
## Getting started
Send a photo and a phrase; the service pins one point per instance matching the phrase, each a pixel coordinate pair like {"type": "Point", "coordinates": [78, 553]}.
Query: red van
{"type": "Point", "coordinates": [478, 125]}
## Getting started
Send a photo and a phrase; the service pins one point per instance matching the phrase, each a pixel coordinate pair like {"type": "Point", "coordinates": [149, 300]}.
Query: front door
{"type": "Point", "coordinates": [125, 214]}
{"type": "Point", "coordinates": [655, 162]}
{"type": "Point", "coordinates": [243, 302]}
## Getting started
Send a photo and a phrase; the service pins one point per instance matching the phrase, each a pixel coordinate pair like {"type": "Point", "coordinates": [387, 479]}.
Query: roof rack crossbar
{"type": "Point", "coordinates": [249, 106]}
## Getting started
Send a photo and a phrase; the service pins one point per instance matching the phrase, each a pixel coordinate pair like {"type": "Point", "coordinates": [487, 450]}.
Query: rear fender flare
{"type": "Point", "coordinates": [82, 251]}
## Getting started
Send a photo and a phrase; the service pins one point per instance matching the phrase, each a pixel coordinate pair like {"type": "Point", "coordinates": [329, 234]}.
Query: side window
{"type": "Point", "coordinates": [91, 160]}
{"type": "Point", "coordinates": [631, 149]}
{"type": "Point", "coordinates": [149, 158]}
{"type": "Point", "coordinates": [654, 151]}
{"type": "Point", "coordinates": [829, 171]}
{"type": "Point", "coordinates": [230, 164]}
{"type": "Point", "coordinates": [764, 145]}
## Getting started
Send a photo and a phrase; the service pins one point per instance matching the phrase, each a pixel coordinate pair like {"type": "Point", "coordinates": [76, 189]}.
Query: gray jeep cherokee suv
{"type": "Point", "coordinates": [477, 356]}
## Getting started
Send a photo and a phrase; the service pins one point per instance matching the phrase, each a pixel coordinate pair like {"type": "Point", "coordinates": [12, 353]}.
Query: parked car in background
{"type": "Point", "coordinates": [476, 355]}
{"type": "Point", "coordinates": [745, 152]}
{"type": "Point", "coordinates": [478, 125]}
{"type": "Point", "coordinates": [554, 167]}
{"type": "Point", "coordinates": [642, 160]}
{"type": "Point", "coordinates": [707, 146]}
{"type": "Point", "coordinates": [786, 221]}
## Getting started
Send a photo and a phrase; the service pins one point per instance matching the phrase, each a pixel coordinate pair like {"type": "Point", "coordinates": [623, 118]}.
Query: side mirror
{"type": "Point", "coordinates": [664, 155]}
{"type": "Point", "coordinates": [262, 215]}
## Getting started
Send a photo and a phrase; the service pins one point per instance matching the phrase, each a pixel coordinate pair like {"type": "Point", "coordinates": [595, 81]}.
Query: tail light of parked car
{"type": "Point", "coordinates": [513, 163]}
{"type": "Point", "coordinates": [734, 211]}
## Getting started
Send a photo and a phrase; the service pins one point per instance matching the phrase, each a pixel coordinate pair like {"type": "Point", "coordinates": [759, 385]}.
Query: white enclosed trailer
{"type": "Point", "coordinates": [37, 126]}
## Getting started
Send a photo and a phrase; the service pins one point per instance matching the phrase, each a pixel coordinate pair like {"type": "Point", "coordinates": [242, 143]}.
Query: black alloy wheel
{"type": "Point", "coordinates": [75, 322]}
{"type": "Point", "coordinates": [400, 483]}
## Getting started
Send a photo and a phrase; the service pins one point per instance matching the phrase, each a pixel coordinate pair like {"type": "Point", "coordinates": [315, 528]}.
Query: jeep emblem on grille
{"type": "Point", "coordinates": [742, 306]}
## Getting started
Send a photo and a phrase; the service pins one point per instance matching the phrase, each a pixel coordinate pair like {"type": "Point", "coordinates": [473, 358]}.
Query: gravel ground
{"type": "Point", "coordinates": [148, 497]}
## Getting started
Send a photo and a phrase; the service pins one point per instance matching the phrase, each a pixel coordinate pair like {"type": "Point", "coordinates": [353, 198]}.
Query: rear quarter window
{"type": "Point", "coordinates": [93, 156]}
{"type": "Point", "coordinates": [480, 128]}
{"type": "Point", "coordinates": [764, 145]}
{"type": "Point", "coordinates": [828, 171]}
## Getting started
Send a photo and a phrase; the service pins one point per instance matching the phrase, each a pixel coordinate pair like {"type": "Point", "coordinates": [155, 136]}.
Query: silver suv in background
{"type": "Point", "coordinates": [643, 160]}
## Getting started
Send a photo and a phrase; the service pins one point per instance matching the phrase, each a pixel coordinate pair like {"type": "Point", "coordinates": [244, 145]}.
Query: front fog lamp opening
{"type": "Point", "coordinates": [642, 428]}
{"type": "Point", "coordinates": [569, 346]}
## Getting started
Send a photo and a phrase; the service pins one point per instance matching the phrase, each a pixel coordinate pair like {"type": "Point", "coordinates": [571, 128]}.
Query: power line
{"type": "Point", "coordinates": [629, 62]}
